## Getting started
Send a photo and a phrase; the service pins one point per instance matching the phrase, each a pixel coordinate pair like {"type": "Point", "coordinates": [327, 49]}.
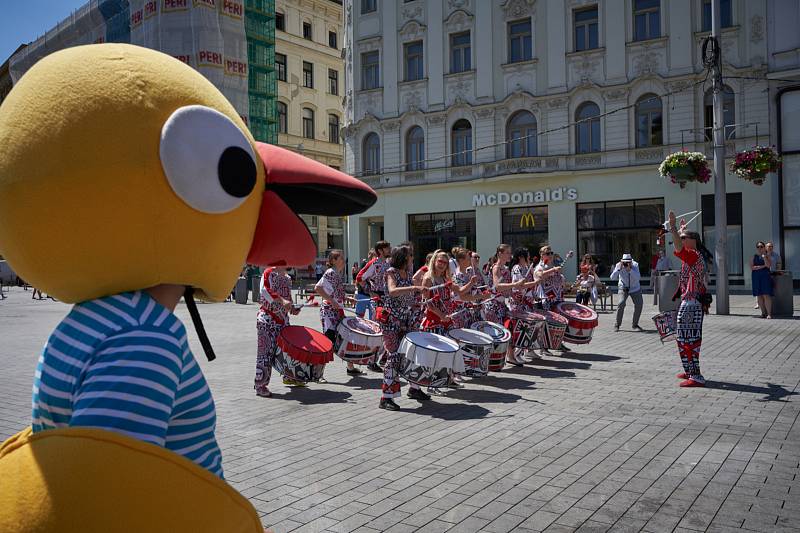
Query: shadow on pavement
{"type": "Point", "coordinates": [772, 392]}
{"type": "Point", "coordinates": [596, 357]}
{"type": "Point", "coordinates": [458, 411]}
{"type": "Point", "coordinates": [541, 372]}
{"type": "Point", "coordinates": [559, 362]}
{"type": "Point", "coordinates": [471, 395]}
{"type": "Point", "coordinates": [309, 396]}
{"type": "Point", "coordinates": [501, 381]}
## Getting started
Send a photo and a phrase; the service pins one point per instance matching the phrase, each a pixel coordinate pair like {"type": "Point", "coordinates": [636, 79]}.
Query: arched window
{"type": "Point", "coordinates": [372, 154]}
{"type": "Point", "coordinates": [649, 124]}
{"type": "Point", "coordinates": [282, 117]}
{"type": "Point", "coordinates": [521, 135]}
{"type": "Point", "coordinates": [415, 149]}
{"type": "Point", "coordinates": [587, 129]}
{"type": "Point", "coordinates": [333, 129]}
{"type": "Point", "coordinates": [728, 113]}
{"type": "Point", "coordinates": [308, 123]}
{"type": "Point", "coordinates": [461, 142]}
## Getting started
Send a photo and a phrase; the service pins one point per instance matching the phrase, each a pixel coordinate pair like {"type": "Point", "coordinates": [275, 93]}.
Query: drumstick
{"type": "Point", "coordinates": [678, 217]}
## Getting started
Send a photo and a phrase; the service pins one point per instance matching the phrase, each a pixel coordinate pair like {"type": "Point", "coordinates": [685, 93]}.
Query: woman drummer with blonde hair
{"type": "Point", "coordinates": [442, 291]}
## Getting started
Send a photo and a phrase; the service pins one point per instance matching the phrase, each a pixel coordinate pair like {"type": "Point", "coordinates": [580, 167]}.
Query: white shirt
{"type": "Point", "coordinates": [627, 279]}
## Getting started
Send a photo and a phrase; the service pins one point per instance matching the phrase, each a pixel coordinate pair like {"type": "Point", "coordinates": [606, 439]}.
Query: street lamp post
{"type": "Point", "coordinates": [720, 196]}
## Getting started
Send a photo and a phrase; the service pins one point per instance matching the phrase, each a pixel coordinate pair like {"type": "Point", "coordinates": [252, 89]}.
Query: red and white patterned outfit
{"type": "Point", "coordinates": [550, 288]}
{"type": "Point", "coordinates": [441, 298]}
{"type": "Point", "coordinates": [397, 317]}
{"type": "Point", "coordinates": [333, 284]}
{"type": "Point", "coordinates": [270, 320]}
{"type": "Point", "coordinates": [521, 299]}
{"type": "Point", "coordinates": [373, 275]}
{"type": "Point", "coordinates": [692, 282]}
{"type": "Point", "coordinates": [496, 310]}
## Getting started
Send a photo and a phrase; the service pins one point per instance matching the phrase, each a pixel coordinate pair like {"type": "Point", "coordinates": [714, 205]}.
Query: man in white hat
{"type": "Point", "coordinates": [627, 274]}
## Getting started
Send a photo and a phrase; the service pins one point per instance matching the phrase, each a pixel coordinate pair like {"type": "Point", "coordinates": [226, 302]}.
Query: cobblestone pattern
{"type": "Point", "coordinates": [601, 439]}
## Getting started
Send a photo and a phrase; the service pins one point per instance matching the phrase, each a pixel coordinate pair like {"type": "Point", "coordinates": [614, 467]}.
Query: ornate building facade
{"type": "Point", "coordinates": [309, 69]}
{"type": "Point", "coordinates": [544, 121]}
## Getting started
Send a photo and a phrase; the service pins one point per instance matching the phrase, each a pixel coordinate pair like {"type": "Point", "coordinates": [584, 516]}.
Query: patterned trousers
{"type": "Point", "coordinates": [393, 333]}
{"type": "Point", "coordinates": [268, 330]}
{"type": "Point", "coordinates": [690, 337]}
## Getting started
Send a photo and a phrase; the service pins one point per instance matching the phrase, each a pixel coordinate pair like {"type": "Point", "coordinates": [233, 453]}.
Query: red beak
{"type": "Point", "coordinates": [298, 185]}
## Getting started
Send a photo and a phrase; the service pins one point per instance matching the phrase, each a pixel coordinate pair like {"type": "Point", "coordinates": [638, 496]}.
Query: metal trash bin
{"type": "Point", "coordinates": [255, 282]}
{"type": "Point", "coordinates": [782, 301]}
{"type": "Point", "coordinates": [240, 291]}
{"type": "Point", "coordinates": [667, 285]}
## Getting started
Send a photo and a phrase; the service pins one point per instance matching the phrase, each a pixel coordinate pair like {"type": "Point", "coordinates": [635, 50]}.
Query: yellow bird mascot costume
{"type": "Point", "coordinates": [127, 180]}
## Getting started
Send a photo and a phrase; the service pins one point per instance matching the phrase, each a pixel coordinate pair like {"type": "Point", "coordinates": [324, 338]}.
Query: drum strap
{"type": "Point", "coordinates": [188, 296]}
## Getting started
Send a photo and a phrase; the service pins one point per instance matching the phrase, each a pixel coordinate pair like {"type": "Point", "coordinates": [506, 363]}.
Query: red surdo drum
{"type": "Point", "coordinates": [581, 321]}
{"type": "Point", "coordinates": [302, 353]}
{"type": "Point", "coordinates": [667, 325]}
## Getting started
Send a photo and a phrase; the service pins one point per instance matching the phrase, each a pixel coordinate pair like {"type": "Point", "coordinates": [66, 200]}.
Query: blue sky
{"type": "Point", "coordinates": [24, 21]}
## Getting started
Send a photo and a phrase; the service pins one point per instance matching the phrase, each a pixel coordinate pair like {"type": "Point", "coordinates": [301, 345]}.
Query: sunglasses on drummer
{"type": "Point", "coordinates": [547, 253]}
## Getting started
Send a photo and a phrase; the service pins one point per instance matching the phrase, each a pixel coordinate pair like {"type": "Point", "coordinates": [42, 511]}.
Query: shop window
{"type": "Point", "coordinates": [433, 231]}
{"type": "Point", "coordinates": [726, 15]}
{"type": "Point", "coordinates": [521, 135]}
{"type": "Point", "coordinates": [415, 149]}
{"type": "Point", "coordinates": [587, 128]}
{"type": "Point", "coordinates": [585, 21]}
{"type": "Point", "coordinates": [372, 154]}
{"type": "Point", "coordinates": [280, 66]}
{"type": "Point", "coordinates": [369, 70]}
{"type": "Point", "coordinates": [308, 75]}
{"type": "Point", "coordinates": [735, 244]}
{"type": "Point", "coordinates": [308, 123]}
{"type": "Point", "coordinates": [728, 113]}
{"type": "Point", "coordinates": [649, 124]}
{"type": "Point", "coordinates": [461, 141]}
{"type": "Point", "coordinates": [282, 117]}
{"type": "Point", "coordinates": [333, 81]}
{"type": "Point", "coordinates": [520, 41]}
{"type": "Point", "coordinates": [460, 52]}
{"type": "Point", "coordinates": [413, 61]}
{"type": "Point", "coordinates": [333, 129]}
{"type": "Point", "coordinates": [525, 227]}
{"type": "Point", "coordinates": [646, 19]}
{"type": "Point", "coordinates": [606, 230]}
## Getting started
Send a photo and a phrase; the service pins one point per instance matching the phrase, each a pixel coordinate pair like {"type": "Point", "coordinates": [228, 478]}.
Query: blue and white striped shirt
{"type": "Point", "coordinates": [122, 363]}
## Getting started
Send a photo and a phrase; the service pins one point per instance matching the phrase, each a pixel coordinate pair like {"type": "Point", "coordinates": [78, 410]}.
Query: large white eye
{"type": "Point", "coordinates": [207, 159]}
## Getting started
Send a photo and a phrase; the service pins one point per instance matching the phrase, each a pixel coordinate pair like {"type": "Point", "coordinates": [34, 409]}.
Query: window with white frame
{"type": "Point", "coordinates": [520, 41]}
{"type": "Point", "coordinates": [371, 162]}
{"type": "Point", "coordinates": [587, 128]}
{"type": "Point", "coordinates": [461, 141]}
{"type": "Point", "coordinates": [646, 19]}
{"type": "Point", "coordinates": [369, 6]}
{"type": "Point", "coordinates": [521, 135]}
{"type": "Point", "coordinates": [413, 61]}
{"type": "Point", "coordinates": [333, 128]}
{"type": "Point", "coordinates": [460, 52]}
{"type": "Point", "coordinates": [586, 29]}
{"type": "Point", "coordinates": [282, 117]}
{"type": "Point", "coordinates": [415, 148]}
{"type": "Point", "coordinates": [725, 14]}
{"type": "Point", "coordinates": [649, 123]}
{"type": "Point", "coordinates": [308, 123]}
{"type": "Point", "coordinates": [370, 70]}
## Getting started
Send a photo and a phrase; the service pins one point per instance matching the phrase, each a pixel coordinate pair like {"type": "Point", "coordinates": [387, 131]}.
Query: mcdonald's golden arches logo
{"type": "Point", "coordinates": [527, 220]}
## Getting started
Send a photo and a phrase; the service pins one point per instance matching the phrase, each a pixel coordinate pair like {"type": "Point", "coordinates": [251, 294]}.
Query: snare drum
{"type": "Point", "coordinates": [476, 347]}
{"type": "Point", "coordinates": [500, 339]}
{"type": "Point", "coordinates": [302, 353]}
{"type": "Point", "coordinates": [554, 329]}
{"type": "Point", "coordinates": [526, 327]}
{"type": "Point", "coordinates": [429, 360]}
{"type": "Point", "coordinates": [358, 340]}
{"type": "Point", "coordinates": [667, 325]}
{"type": "Point", "coordinates": [581, 321]}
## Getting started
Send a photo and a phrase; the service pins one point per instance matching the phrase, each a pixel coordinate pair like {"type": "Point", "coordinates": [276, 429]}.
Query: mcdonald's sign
{"type": "Point", "coordinates": [527, 220]}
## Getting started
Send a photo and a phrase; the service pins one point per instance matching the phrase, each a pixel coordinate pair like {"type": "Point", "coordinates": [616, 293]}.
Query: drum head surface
{"type": "Point", "coordinates": [363, 326]}
{"type": "Point", "coordinates": [528, 316]}
{"type": "Point", "coordinates": [556, 319]}
{"type": "Point", "coordinates": [470, 336]}
{"type": "Point", "coordinates": [576, 310]}
{"type": "Point", "coordinates": [432, 341]}
{"type": "Point", "coordinates": [305, 339]}
{"type": "Point", "coordinates": [495, 331]}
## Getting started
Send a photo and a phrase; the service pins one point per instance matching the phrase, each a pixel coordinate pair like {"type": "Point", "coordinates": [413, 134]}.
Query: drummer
{"type": "Point", "coordinates": [273, 316]}
{"type": "Point", "coordinates": [373, 277]}
{"type": "Point", "coordinates": [420, 273]}
{"type": "Point", "coordinates": [443, 293]}
{"type": "Point", "coordinates": [396, 316]}
{"type": "Point", "coordinates": [465, 275]}
{"type": "Point", "coordinates": [496, 310]}
{"type": "Point", "coordinates": [551, 285]}
{"type": "Point", "coordinates": [522, 270]}
{"type": "Point", "coordinates": [330, 287]}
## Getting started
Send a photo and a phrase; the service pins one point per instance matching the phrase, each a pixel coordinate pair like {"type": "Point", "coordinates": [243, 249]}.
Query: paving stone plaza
{"type": "Point", "coordinates": [601, 439]}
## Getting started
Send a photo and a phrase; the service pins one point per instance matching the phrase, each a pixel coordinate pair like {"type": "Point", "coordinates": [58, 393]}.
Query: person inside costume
{"type": "Point", "coordinates": [153, 189]}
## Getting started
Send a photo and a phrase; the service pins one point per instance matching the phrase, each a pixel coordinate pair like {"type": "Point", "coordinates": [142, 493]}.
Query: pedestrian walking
{"type": "Point", "coordinates": [761, 279]}
{"type": "Point", "coordinates": [626, 274]}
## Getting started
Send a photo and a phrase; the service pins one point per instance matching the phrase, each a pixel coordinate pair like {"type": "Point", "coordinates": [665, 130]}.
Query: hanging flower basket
{"type": "Point", "coordinates": [754, 165]}
{"type": "Point", "coordinates": [683, 167]}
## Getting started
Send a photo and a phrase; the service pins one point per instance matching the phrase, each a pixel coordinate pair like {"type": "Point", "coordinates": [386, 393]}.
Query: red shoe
{"type": "Point", "coordinates": [691, 383]}
{"type": "Point", "coordinates": [682, 375]}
